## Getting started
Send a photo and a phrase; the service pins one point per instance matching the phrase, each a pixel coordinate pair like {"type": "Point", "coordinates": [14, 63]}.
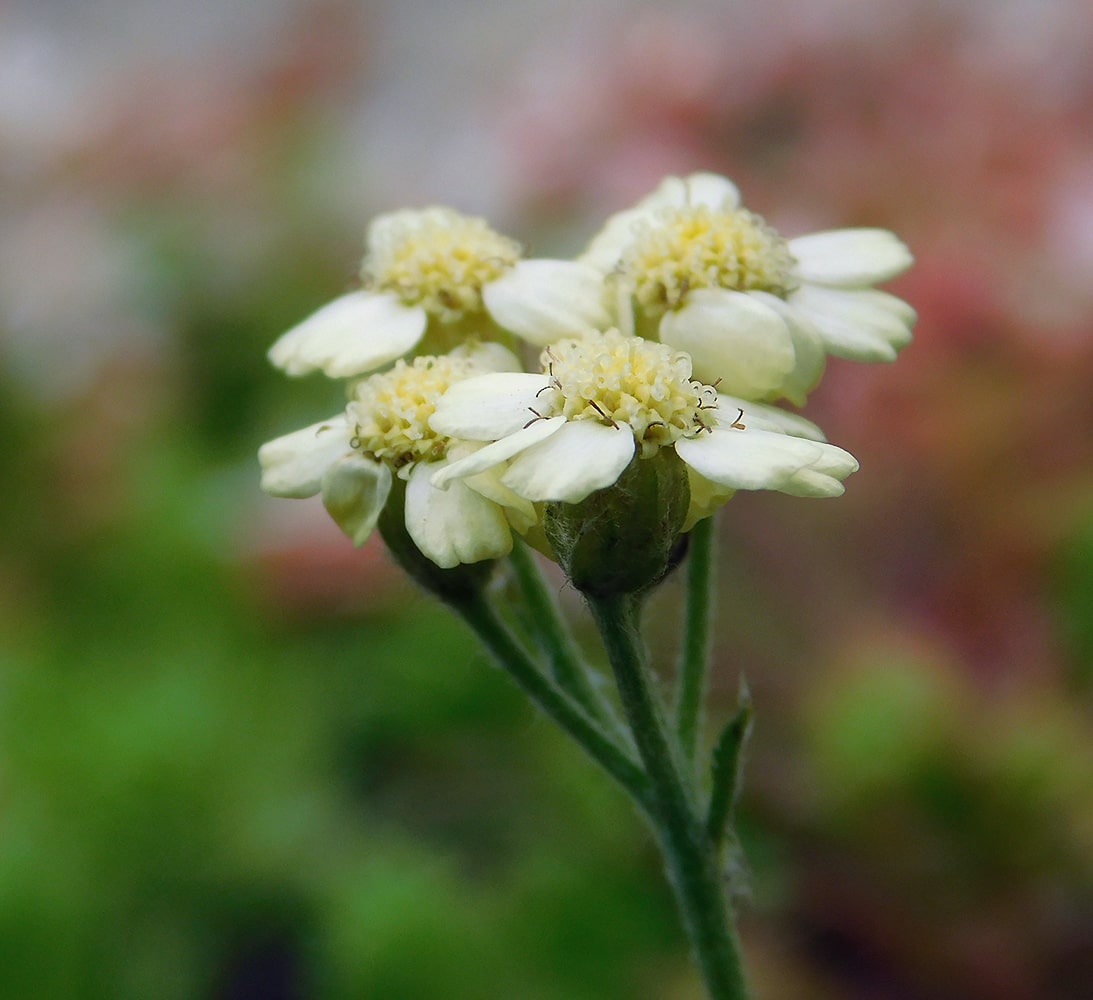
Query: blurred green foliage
{"type": "Point", "coordinates": [197, 795]}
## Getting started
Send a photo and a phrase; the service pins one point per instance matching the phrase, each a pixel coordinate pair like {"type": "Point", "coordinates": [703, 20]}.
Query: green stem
{"type": "Point", "coordinates": [692, 862]}
{"type": "Point", "coordinates": [509, 654]}
{"type": "Point", "coordinates": [553, 635]}
{"type": "Point", "coordinates": [694, 660]}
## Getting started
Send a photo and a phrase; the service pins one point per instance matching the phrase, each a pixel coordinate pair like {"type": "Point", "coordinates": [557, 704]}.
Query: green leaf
{"type": "Point", "coordinates": [726, 767]}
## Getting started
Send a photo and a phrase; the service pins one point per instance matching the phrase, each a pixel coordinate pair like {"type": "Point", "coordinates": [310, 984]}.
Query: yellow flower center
{"type": "Point", "coordinates": [626, 380]}
{"type": "Point", "coordinates": [391, 411]}
{"type": "Point", "coordinates": [436, 258]}
{"type": "Point", "coordinates": [695, 246]}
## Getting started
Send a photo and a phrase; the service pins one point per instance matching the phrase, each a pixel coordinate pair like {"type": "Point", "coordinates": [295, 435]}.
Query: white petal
{"type": "Point", "coordinates": [489, 355]}
{"type": "Point", "coordinates": [353, 334]}
{"type": "Point", "coordinates": [294, 465]}
{"type": "Point", "coordinates": [354, 492]}
{"type": "Point", "coordinates": [734, 337]}
{"type": "Point", "coordinates": [712, 190]}
{"type": "Point", "coordinates": [521, 513]}
{"type": "Point", "coordinates": [605, 249]}
{"type": "Point", "coordinates": [810, 483]}
{"type": "Point", "coordinates": [498, 452]}
{"type": "Point", "coordinates": [546, 300]}
{"type": "Point", "coordinates": [453, 526]}
{"type": "Point", "coordinates": [835, 461]}
{"type": "Point", "coordinates": [823, 478]}
{"type": "Point", "coordinates": [764, 417]}
{"type": "Point", "coordinates": [607, 246]}
{"type": "Point", "coordinates": [748, 460]}
{"type": "Point", "coordinates": [582, 457]}
{"type": "Point", "coordinates": [808, 350]}
{"type": "Point", "coordinates": [670, 193]}
{"type": "Point", "coordinates": [903, 311]}
{"type": "Point", "coordinates": [865, 325]}
{"type": "Point", "coordinates": [850, 257]}
{"type": "Point", "coordinates": [487, 407]}
{"type": "Point", "coordinates": [702, 188]}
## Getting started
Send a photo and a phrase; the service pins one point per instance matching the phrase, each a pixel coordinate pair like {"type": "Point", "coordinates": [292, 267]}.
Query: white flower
{"type": "Point", "coordinates": [432, 279]}
{"type": "Point", "coordinates": [604, 397]}
{"type": "Point", "coordinates": [384, 432]}
{"type": "Point", "coordinates": [696, 270]}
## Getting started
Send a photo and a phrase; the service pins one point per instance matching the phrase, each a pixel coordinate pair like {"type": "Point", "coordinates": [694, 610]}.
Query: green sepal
{"type": "Point", "coordinates": [625, 538]}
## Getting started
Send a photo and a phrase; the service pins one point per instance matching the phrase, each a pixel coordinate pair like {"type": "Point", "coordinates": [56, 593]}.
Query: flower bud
{"type": "Point", "coordinates": [623, 539]}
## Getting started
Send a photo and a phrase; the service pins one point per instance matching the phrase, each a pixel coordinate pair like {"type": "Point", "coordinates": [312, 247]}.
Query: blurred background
{"type": "Point", "coordinates": [241, 759]}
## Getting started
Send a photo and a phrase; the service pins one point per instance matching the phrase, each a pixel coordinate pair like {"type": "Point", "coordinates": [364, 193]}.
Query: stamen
{"type": "Point", "coordinates": [694, 246]}
{"type": "Point", "coordinates": [436, 258]}
{"type": "Point", "coordinates": [619, 380]}
{"type": "Point", "coordinates": [392, 410]}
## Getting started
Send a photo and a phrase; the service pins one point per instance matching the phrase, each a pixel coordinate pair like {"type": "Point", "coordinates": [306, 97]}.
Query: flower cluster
{"type": "Point", "coordinates": [678, 329]}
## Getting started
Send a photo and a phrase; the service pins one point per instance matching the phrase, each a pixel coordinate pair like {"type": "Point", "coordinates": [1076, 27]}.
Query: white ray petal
{"type": "Point", "coordinates": [605, 249]}
{"type": "Point", "coordinates": [521, 513]}
{"type": "Point", "coordinates": [547, 300]}
{"type": "Point", "coordinates": [498, 452]}
{"type": "Point", "coordinates": [748, 460]}
{"type": "Point", "coordinates": [764, 417]}
{"type": "Point", "coordinates": [734, 337]}
{"type": "Point", "coordinates": [834, 461]}
{"type": "Point", "coordinates": [353, 334]}
{"type": "Point", "coordinates": [453, 526]}
{"type": "Point", "coordinates": [488, 407]}
{"type": "Point", "coordinates": [711, 190]}
{"type": "Point", "coordinates": [864, 325]}
{"type": "Point", "coordinates": [812, 483]}
{"type": "Point", "coordinates": [489, 355]}
{"type": "Point", "coordinates": [582, 457]}
{"type": "Point", "coordinates": [355, 489]}
{"type": "Point", "coordinates": [808, 349]}
{"type": "Point", "coordinates": [294, 465]}
{"type": "Point", "coordinates": [848, 258]}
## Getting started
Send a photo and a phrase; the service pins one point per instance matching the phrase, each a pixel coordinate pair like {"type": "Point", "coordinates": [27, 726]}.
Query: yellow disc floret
{"type": "Point", "coordinates": [626, 380]}
{"type": "Point", "coordinates": [391, 411]}
{"type": "Point", "coordinates": [695, 246]}
{"type": "Point", "coordinates": [436, 258]}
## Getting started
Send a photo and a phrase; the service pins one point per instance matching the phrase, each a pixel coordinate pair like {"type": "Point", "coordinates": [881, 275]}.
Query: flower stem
{"type": "Point", "coordinates": [692, 862]}
{"type": "Point", "coordinates": [693, 666]}
{"type": "Point", "coordinates": [551, 632]}
{"type": "Point", "coordinates": [549, 697]}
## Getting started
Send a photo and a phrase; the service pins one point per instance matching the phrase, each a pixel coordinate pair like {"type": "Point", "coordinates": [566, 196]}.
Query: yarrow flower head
{"type": "Point", "coordinates": [605, 398]}
{"type": "Point", "coordinates": [694, 269]}
{"type": "Point", "coordinates": [434, 279]}
{"type": "Point", "coordinates": [383, 438]}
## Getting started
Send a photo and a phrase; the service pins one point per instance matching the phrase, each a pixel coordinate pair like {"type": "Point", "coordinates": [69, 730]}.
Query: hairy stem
{"type": "Point", "coordinates": [552, 634]}
{"type": "Point", "coordinates": [572, 717]}
{"type": "Point", "coordinates": [694, 660]}
{"type": "Point", "coordinates": [692, 862]}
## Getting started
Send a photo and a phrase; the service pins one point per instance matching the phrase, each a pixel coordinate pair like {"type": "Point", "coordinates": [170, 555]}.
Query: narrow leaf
{"type": "Point", "coordinates": [726, 766]}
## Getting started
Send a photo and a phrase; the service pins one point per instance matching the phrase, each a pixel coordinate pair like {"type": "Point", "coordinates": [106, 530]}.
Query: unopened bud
{"type": "Point", "coordinates": [623, 539]}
